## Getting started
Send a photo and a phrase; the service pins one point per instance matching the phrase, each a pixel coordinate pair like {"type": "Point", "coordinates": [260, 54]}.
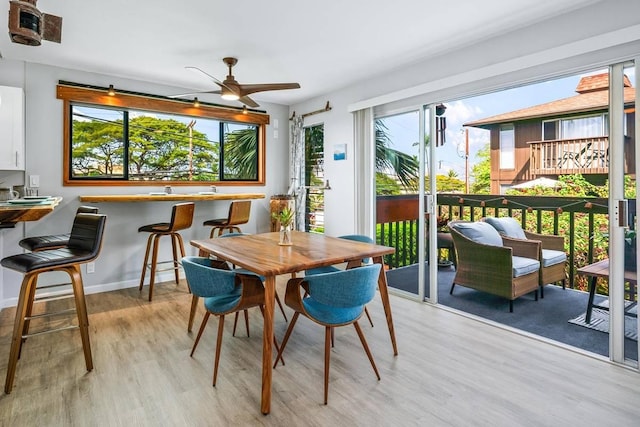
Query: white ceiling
{"type": "Point", "coordinates": [323, 45]}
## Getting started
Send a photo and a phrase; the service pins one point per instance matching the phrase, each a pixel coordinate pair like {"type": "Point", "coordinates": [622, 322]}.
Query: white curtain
{"type": "Point", "coordinates": [296, 170]}
{"type": "Point", "coordinates": [364, 155]}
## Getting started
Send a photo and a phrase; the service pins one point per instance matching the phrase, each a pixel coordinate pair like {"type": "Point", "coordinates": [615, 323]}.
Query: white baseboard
{"type": "Point", "coordinates": [100, 288]}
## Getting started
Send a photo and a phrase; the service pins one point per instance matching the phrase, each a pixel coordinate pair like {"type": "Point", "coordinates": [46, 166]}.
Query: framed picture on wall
{"type": "Point", "coordinates": [340, 152]}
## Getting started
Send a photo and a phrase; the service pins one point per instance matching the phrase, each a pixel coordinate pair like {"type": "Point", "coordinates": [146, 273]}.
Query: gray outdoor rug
{"type": "Point", "coordinates": [600, 321]}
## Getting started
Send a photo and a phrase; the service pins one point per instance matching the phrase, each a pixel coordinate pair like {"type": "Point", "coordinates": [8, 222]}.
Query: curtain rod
{"type": "Point", "coordinates": [322, 110]}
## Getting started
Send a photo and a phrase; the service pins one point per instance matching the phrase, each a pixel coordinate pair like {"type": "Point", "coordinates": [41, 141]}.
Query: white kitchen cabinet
{"type": "Point", "coordinates": [12, 145]}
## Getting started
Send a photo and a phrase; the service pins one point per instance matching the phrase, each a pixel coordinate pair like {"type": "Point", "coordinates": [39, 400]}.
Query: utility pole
{"type": "Point", "coordinates": [190, 126]}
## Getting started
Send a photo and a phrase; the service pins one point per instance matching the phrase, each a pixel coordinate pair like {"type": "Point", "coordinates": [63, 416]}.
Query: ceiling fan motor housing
{"type": "Point", "coordinates": [28, 26]}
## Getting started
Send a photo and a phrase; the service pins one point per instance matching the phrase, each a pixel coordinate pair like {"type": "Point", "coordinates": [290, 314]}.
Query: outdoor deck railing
{"type": "Point", "coordinates": [582, 221]}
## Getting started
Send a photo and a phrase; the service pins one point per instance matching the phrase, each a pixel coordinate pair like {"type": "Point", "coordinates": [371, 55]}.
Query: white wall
{"type": "Point", "coordinates": [605, 32]}
{"type": "Point", "coordinates": [120, 261]}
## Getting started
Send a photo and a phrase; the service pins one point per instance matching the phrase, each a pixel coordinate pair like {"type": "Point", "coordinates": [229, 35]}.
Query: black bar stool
{"type": "Point", "coordinates": [239, 212]}
{"type": "Point", "coordinates": [83, 246]}
{"type": "Point", "coordinates": [181, 219]}
{"type": "Point", "coordinates": [38, 243]}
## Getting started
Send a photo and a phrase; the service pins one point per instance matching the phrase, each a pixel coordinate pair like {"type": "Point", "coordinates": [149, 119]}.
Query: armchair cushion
{"type": "Point", "coordinates": [508, 226]}
{"type": "Point", "coordinates": [479, 232]}
{"type": "Point", "coordinates": [523, 266]}
{"type": "Point", "coordinates": [551, 257]}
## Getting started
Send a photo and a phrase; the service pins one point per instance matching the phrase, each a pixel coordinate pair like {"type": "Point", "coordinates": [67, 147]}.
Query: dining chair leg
{"type": "Point", "coordinates": [192, 312]}
{"type": "Point", "coordinates": [281, 308]}
{"type": "Point", "coordinates": [368, 316]}
{"type": "Point", "coordinates": [366, 348]}
{"type": "Point", "coordinates": [327, 357]}
{"type": "Point", "coordinates": [200, 331]}
{"type": "Point", "coordinates": [246, 322]}
{"type": "Point", "coordinates": [286, 337]}
{"type": "Point", "coordinates": [218, 347]}
{"type": "Point", "coordinates": [235, 323]}
{"type": "Point", "coordinates": [451, 290]}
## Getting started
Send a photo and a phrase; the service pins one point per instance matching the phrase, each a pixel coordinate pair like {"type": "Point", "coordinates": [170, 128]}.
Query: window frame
{"type": "Point", "coordinates": [92, 96]}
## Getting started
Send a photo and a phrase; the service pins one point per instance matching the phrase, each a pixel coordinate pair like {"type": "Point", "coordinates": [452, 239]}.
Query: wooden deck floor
{"type": "Point", "coordinates": [451, 371]}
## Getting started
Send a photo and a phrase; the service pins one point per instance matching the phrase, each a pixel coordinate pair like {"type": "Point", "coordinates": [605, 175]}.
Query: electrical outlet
{"type": "Point", "coordinates": [91, 267]}
{"type": "Point", "coordinates": [34, 181]}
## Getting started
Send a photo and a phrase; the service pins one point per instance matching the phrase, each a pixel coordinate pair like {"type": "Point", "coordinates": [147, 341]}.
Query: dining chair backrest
{"type": "Point", "coordinates": [330, 289]}
{"type": "Point", "coordinates": [359, 238]}
{"type": "Point", "coordinates": [205, 280]}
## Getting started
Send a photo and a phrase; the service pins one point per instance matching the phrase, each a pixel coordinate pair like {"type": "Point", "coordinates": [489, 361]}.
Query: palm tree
{"type": "Point", "coordinates": [241, 153]}
{"type": "Point", "coordinates": [391, 161]}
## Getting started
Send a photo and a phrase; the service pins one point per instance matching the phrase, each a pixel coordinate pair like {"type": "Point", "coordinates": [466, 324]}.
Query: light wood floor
{"type": "Point", "coordinates": [451, 371]}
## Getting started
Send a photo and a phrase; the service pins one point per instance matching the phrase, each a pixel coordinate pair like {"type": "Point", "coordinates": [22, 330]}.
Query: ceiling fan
{"type": "Point", "coordinates": [231, 90]}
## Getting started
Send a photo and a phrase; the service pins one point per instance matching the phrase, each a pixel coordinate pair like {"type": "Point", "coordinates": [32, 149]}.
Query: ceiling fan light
{"type": "Point", "coordinates": [230, 96]}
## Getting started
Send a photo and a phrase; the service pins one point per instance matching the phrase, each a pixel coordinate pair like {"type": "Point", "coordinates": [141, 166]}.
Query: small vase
{"type": "Point", "coordinates": [285, 235]}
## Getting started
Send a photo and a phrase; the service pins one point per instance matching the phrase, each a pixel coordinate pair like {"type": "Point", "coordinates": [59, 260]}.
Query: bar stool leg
{"type": "Point", "coordinates": [174, 242]}
{"type": "Point", "coordinates": [28, 282]}
{"type": "Point", "coordinates": [81, 311]}
{"type": "Point", "coordinates": [145, 262]}
{"type": "Point", "coordinates": [154, 263]}
{"type": "Point", "coordinates": [30, 299]}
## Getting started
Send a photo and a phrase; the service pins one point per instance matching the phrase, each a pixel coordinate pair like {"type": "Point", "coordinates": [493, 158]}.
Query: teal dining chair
{"type": "Point", "coordinates": [224, 291]}
{"type": "Point", "coordinates": [350, 264]}
{"type": "Point", "coordinates": [331, 300]}
{"type": "Point", "coordinates": [243, 271]}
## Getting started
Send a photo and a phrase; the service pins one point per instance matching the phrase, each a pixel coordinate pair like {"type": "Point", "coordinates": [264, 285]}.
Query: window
{"type": "Point", "coordinates": [130, 139]}
{"type": "Point", "coordinates": [507, 147]}
{"type": "Point", "coordinates": [576, 127]}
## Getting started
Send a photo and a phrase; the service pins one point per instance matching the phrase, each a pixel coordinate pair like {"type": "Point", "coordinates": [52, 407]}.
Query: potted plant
{"type": "Point", "coordinates": [285, 218]}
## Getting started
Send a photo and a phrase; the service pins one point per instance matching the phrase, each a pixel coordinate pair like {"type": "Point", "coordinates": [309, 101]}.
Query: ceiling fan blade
{"type": "Point", "coordinates": [262, 87]}
{"type": "Point", "coordinates": [248, 102]}
{"type": "Point", "coordinates": [198, 70]}
{"type": "Point", "coordinates": [180, 95]}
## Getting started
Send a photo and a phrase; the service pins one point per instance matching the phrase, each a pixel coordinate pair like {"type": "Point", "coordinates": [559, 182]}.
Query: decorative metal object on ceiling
{"type": "Point", "coordinates": [231, 90]}
{"type": "Point", "coordinates": [29, 26]}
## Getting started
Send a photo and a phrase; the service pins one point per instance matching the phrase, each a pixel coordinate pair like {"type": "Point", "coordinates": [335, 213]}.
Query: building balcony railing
{"type": "Point", "coordinates": [569, 156]}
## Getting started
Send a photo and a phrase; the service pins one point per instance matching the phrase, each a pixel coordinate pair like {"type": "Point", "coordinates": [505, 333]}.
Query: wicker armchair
{"type": "Point", "coordinates": [491, 263]}
{"type": "Point", "coordinates": [553, 258]}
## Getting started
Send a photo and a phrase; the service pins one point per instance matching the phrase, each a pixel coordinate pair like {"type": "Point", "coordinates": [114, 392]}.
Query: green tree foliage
{"type": "Point", "coordinates": [481, 172]}
{"type": "Point", "coordinates": [449, 184]}
{"type": "Point", "coordinates": [393, 162]}
{"type": "Point", "coordinates": [98, 148]}
{"type": "Point", "coordinates": [241, 154]}
{"type": "Point", "coordinates": [158, 148]}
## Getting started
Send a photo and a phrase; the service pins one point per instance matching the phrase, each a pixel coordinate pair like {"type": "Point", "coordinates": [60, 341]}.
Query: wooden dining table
{"type": "Point", "coordinates": [262, 254]}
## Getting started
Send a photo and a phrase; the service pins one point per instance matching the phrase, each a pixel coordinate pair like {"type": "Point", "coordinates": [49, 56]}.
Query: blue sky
{"type": "Point", "coordinates": [404, 128]}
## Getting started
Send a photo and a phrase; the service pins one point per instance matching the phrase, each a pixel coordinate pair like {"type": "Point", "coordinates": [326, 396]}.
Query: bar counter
{"type": "Point", "coordinates": [173, 197]}
{"type": "Point", "coordinates": [10, 213]}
